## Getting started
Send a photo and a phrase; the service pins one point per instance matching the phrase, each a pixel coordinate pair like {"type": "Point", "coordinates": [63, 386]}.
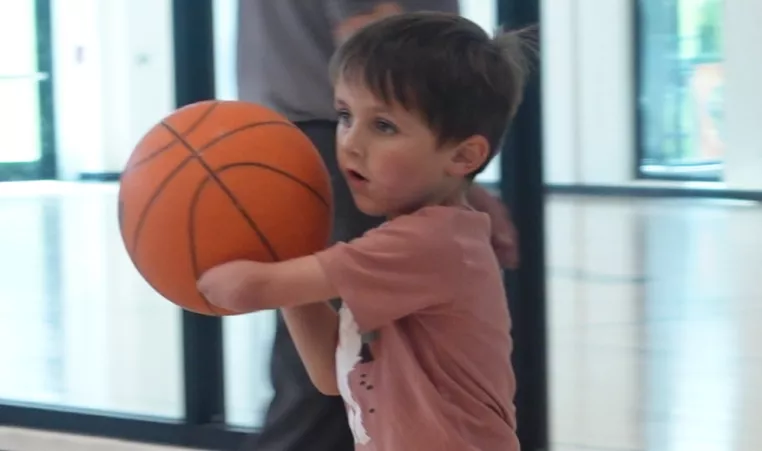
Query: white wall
{"type": "Point", "coordinates": [113, 70]}
{"type": "Point", "coordinates": [77, 83]}
{"type": "Point", "coordinates": [743, 94]}
{"type": "Point", "coordinates": [588, 87]}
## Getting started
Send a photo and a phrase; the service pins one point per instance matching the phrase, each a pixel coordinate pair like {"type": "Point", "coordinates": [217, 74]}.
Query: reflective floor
{"type": "Point", "coordinates": [656, 316]}
{"type": "Point", "coordinates": [653, 306]}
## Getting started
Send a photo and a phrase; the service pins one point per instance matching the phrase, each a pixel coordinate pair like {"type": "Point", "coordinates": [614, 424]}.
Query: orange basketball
{"type": "Point", "coordinates": [217, 181]}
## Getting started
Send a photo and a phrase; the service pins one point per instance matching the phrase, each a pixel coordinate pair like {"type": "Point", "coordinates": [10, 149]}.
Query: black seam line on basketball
{"type": "Point", "coordinates": [192, 240]}
{"type": "Point", "coordinates": [277, 171]}
{"type": "Point", "coordinates": [176, 170]}
{"type": "Point", "coordinates": [164, 148]}
{"type": "Point", "coordinates": [217, 140]}
{"type": "Point", "coordinates": [210, 173]}
{"type": "Point", "coordinates": [152, 200]}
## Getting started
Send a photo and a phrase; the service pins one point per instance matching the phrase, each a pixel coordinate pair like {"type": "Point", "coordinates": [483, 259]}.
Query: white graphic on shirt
{"type": "Point", "coordinates": [347, 357]}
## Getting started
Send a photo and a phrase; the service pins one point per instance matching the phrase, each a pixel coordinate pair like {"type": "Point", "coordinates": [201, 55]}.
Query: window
{"type": "Point", "coordinates": [680, 89]}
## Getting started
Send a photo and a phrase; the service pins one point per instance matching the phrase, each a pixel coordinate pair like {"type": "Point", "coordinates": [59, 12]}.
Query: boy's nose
{"type": "Point", "coordinates": [352, 143]}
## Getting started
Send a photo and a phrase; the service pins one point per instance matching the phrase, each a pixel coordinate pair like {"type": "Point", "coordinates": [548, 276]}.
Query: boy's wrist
{"type": "Point", "coordinates": [233, 286]}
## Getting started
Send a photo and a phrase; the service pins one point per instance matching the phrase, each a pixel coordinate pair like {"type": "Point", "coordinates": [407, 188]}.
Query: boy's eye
{"type": "Point", "coordinates": [343, 116]}
{"type": "Point", "coordinates": [386, 127]}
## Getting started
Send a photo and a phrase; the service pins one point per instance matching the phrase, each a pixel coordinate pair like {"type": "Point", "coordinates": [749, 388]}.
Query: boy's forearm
{"type": "Point", "coordinates": [247, 286]}
{"type": "Point", "coordinates": [314, 329]}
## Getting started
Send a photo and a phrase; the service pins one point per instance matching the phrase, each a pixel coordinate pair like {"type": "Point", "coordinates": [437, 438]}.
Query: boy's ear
{"type": "Point", "coordinates": [468, 156]}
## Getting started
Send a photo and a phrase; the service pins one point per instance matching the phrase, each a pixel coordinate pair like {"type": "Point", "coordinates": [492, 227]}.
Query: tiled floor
{"type": "Point", "coordinates": [656, 316]}
{"type": "Point", "coordinates": [653, 305]}
{"type": "Point", "coordinates": [12, 439]}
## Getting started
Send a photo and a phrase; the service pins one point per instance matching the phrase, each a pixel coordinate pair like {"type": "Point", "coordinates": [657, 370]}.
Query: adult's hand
{"type": "Point", "coordinates": [505, 237]}
{"type": "Point", "coordinates": [349, 25]}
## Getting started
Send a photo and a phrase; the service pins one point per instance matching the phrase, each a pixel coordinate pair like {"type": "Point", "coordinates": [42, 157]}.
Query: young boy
{"type": "Point", "coordinates": [420, 347]}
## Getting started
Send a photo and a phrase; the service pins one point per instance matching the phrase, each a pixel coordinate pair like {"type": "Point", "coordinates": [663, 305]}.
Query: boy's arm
{"type": "Point", "coordinates": [314, 329]}
{"type": "Point", "coordinates": [246, 286]}
{"type": "Point", "coordinates": [297, 286]}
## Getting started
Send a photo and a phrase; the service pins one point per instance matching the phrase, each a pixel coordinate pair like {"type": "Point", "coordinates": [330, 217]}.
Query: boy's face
{"type": "Point", "coordinates": [389, 156]}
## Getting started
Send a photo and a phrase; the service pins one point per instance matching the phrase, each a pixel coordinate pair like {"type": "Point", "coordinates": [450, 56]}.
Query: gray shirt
{"type": "Point", "coordinates": [284, 47]}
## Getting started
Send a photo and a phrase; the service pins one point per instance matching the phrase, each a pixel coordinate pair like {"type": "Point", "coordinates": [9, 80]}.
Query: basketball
{"type": "Point", "coordinates": [217, 181]}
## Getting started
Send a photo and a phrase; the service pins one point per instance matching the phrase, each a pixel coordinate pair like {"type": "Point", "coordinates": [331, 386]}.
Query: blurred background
{"type": "Point", "coordinates": [652, 163]}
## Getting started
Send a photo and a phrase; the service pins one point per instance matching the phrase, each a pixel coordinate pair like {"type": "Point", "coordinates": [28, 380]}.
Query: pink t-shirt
{"type": "Point", "coordinates": [437, 374]}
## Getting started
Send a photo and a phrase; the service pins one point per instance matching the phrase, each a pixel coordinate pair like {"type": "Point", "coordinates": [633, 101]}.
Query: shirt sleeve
{"type": "Point", "coordinates": [407, 266]}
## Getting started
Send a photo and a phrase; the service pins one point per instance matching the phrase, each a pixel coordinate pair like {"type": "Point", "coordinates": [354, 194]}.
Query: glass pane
{"type": "Point", "coordinates": [681, 88]}
{"type": "Point", "coordinates": [248, 340]}
{"type": "Point", "coordinates": [79, 327]}
{"type": "Point", "coordinates": [484, 13]}
{"type": "Point", "coordinates": [19, 108]}
{"type": "Point", "coordinates": [86, 330]}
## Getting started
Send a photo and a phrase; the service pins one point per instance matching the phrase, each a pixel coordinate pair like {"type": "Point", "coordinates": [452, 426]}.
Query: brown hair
{"type": "Point", "coordinates": [445, 68]}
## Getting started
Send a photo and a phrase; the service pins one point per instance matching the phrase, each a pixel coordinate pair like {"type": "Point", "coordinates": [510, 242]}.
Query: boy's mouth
{"type": "Point", "coordinates": [354, 176]}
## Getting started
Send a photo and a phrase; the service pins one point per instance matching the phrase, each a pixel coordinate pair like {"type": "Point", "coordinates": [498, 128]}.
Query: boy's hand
{"type": "Point", "coordinates": [505, 237]}
{"type": "Point", "coordinates": [226, 285]}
